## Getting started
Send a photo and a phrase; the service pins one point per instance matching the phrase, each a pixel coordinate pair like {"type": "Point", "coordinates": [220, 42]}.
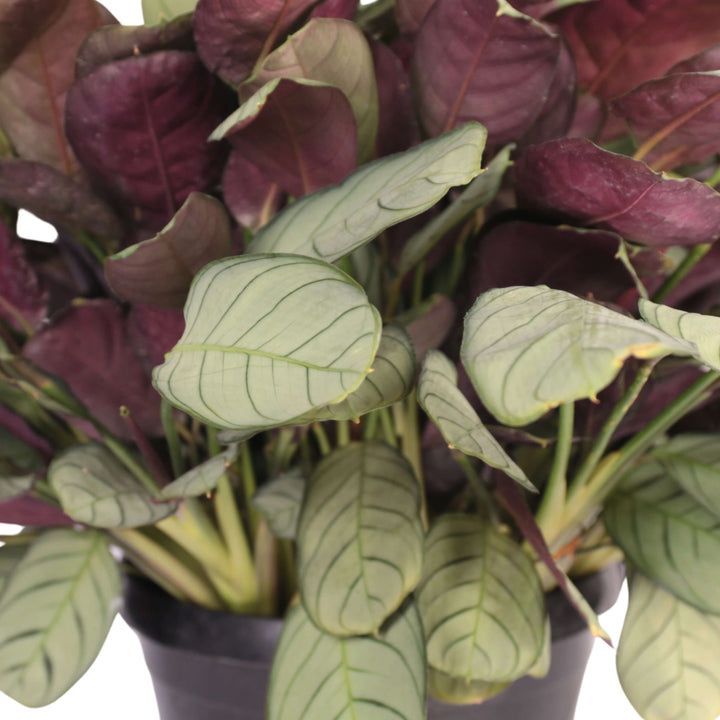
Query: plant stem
{"type": "Point", "coordinates": [714, 179]}
{"type": "Point", "coordinates": [410, 436]}
{"type": "Point", "coordinates": [604, 437]}
{"type": "Point", "coordinates": [129, 461]}
{"type": "Point", "coordinates": [691, 259]}
{"type": "Point", "coordinates": [214, 447]}
{"type": "Point", "coordinates": [370, 424]}
{"type": "Point", "coordinates": [342, 428]}
{"type": "Point", "coordinates": [553, 500]}
{"type": "Point", "coordinates": [386, 423]}
{"type": "Point", "coordinates": [249, 488]}
{"type": "Point", "coordinates": [322, 438]}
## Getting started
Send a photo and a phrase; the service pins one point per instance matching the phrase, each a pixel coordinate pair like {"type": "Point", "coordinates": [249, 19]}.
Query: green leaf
{"type": "Point", "coordinates": [10, 556]}
{"type": "Point", "coordinates": [703, 331]}
{"type": "Point", "coordinates": [693, 461]}
{"type": "Point", "coordinates": [667, 534]}
{"type": "Point", "coordinates": [391, 379]}
{"type": "Point", "coordinates": [334, 221]}
{"type": "Point", "coordinates": [202, 478]}
{"type": "Point", "coordinates": [447, 407]}
{"type": "Point", "coordinates": [96, 489]}
{"type": "Point", "coordinates": [279, 501]}
{"type": "Point", "coordinates": [481, 602]}
{"type": "Point", "coordinates": [360, 538]}
{"type": "Point", "coordinates": [13, 486]}
{"type": "Point", "coordinates": [480, 192]}
{"type": "Point", "coordinates": [334, 52]}
{"type": "Point", "coordinates": [318, 675]}
{"type": "Point", "coordinates": [161, 11]}
{"type": "Point", "coordinates": [55, 613]}
{"type": "Point", "coordinates": [459, 691]}
{"type": "Point", "coordinates": [530, 349]}
{"type": "Point", "coordinates": [667, 656]}
{"type": "Point", "coordinates": [269, 338]}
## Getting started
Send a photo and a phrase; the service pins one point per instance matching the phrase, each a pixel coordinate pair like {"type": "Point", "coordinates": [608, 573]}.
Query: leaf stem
{"type": "Point", "coordinates": [691, 259]}
{"type": "Point", "coordinates": [249, 488]}
{"type": "Point", "coordinates": [322, 438]}
{"type": "Point", "coordinates": [129, 461]}
{"type": "Point", "coordinates": [342, 428]}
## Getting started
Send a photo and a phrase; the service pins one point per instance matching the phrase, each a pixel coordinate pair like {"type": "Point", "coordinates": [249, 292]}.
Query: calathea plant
{"type": "Point", "coordinates": [324, 189]}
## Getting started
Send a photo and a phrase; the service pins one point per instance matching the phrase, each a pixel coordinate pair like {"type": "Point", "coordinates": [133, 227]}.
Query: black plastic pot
{"type": "Point", "coordinates": [208, 665]}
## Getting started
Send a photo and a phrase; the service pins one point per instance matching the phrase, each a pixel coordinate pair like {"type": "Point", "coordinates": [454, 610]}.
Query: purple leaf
{"type": "Point", "coordinates": [34, 86]}
{"type": "Point", "coordinates": [675, 119]}
{"type": "Point", "coordinates": [20, 429]}
{"type": "Point", "coordinates": [583, 262]}
{"type": "Point", "coordinates": [251, 196]}
{"type": "Point", "coordinates": [619, 44]}
{"type": "Point", "coordinates": [302, 135]}
{"type": "Point", "coordinates": [159, 271]}
{"type": "Point", "coordinates": [343, 9]}
{"type": "Point", "coordinates": [429, 324]}
{"type": "Point", "coordinates": [153, 332]}
{"type": "Point", "coordinates": [28, 511]}
{"type": "Point", "coordinates": [576, 179]}
{"type": "Point", "coordinates": [397, 127]}
{"type": "Point", "coordinates": [117, 42]}
{"type": "Point", "coordinates": [477, 60]}
{"type": "Point", "coordinates": [56, 198]}
{"type": "Point", "coordinates": [706, 61]}
{"type": "Point", "coordinates": [140, 128]}
{"type": "Point", "coordinates": [411, 13]}
{"type": "Point", "coordinates": [23, 304]}
{"type": "Point", "coordinates": [20, 22]}
{"type": "Point", "coordinates": [233, 36]}
{"type": "Point", "coordinates": [540, 8]}
{"type": "Point", "coordinates": [333, 52]}
{"type": "Point", "coordinates": [88, 347]}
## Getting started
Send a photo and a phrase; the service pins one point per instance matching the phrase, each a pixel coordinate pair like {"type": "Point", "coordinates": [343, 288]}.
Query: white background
{"type": "Point", "coordinates": [117, 686]}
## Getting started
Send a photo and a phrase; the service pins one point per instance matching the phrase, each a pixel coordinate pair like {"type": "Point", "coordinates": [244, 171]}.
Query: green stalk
{"type": "Point", "coordinates": [553, 500]}
{"type": "Point", "coordinates": [249, 488]}
{"type": "Point", "coordinates": [603, 438]}
{"type": "Point", "coordinates": [214, 447]}
{"type": "Point", "coordinates": [370, 425]}
{"type": "Point", "coordinates": [322, 438]}
{"type": "Point", "coordinates": [129, 461]}
{"type": "Point", "coordinates": [172, 438]}
{"type": "Point", "coordinates": [714, 179]}
{"type": "Point", "coordinates": [410, 437]}
{"type": "Point", "coordinates": [691, 259]}
{"type": "Point", "coordinates": [386, 423]}
{"type": "Point", "coordinates": [342, 428]}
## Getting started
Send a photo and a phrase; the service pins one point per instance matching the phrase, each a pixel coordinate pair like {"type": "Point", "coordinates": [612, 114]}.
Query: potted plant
{"type": "Point", "coordinates": [413, 389]}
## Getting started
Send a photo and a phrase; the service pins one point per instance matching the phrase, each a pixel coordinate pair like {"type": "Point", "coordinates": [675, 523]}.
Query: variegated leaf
{"type": "Point", "coordinates": [318, 675]}
{"type": "Point", "coordinates": [360, 538]}
{"type": "Point", "coordinates": [13, 486]}
{"type": "Point", "coordinates": [459, 691]}
{"type": "Point", "coordinates": [269, 338]}
{"type": "Point", "coordinates": [55, 613]}
{"type": "Point", "coordinates": [667, 656]}
{"type": "Point", "coordinates": [530, 349]}
{"type": "Point", "coordinates": [95, 488]}
{"type": "Point", "coordinates": [440, 397]}
{"type": "Point", "coordinates": [694, 463]}
{"type": "Point", "coordinates": [10, 556]}
{"type": "Point", "coordinates": [703, 331]}
{"type": "Point", "coordinates": [334, 221]}
{"type": "Point", "coordinates": [279, 501]}
{"type": "Point", "coordinates": [667, 534]}
{"type": "Point", "coordinates": [161, 11]}
{"type": "Point", "coordinates": [202, 478]}
{"type": "Point", "coordinates": [481, 602]}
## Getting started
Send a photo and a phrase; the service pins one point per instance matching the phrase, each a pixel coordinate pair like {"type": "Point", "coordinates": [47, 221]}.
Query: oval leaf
{"type": "Point", "coordinates": [440, 397]}
{"type": "Point", "coordinates": [10, 556]}
{"type": "Point", "coordinates": [459, 691]}
{"type": "Point", "coordinates": [159, 271]}
{"type": "Point", "coordinates": [267, 339]}
{"type": "Point", "coordinates": [572, 177]}
{"type": "Point", "coordinates": [335, 221]}
{"type": "Point", "coordinates": [499, 72]}
{"type": "Point", "coordinates": [202, 478]}
{"type": "Point", "coordinates": [251, 196]}
{"type": "Point", "coordinates": [94, 488]}
{"type": "Point", "coordinates": [299, 133]}
{"type": "Point", "coordinates": [336, 53]}
{"type": "Point", "coordinates": [693, 461]}
{"type": "Point", "coordinates": [279, 501]}
{"type": "Point", "coordinates": [160, 11]}
{"type": "Point", "coordinates": [360, 538]}
{"type": "Point", "coordinates": [318, 675]}
{"type": "Point", "coordinates": [529, 349]}
{"type": "Point", "coordinates": [667, 534]}
{"type": "Point", "coordinates": [667, 656]}
{"type": "Point", "coordinates": [55, 613]}
{"type": "Point", "coordinates": [481, 602]}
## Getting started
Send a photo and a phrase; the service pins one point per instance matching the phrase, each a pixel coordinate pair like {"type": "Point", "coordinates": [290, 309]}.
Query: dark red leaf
{"type": "Point", "coordinates": [706, 61]}
{"type": "Point", "coordinates": [251, 196]}
{"type": "Point", "coordinates": [576, 179]}
{"type": "Point", "coordinates": [675, 119]}
{"type": "Point", "coordinates": [140, 128]}
{"type": "Point", "coordinates": [474, 61]}
{"type": "Point", "coordinates": [411, 13]}
{"type": "Point", "coordinates": [21, 430]}
{"type": "Point", "coordinates": [28, 511]}
{"type": "Point", "coordinates": [117, 42]}
{"type": "Point", "coordinates": [88, 347]}
{"type": "Point", "coordinates": [56, 198]}
{"type": "Point", "coordinates": [301, 135]}
{"type": "Point", "coordinates": [343, 9]}
{"type": "Point", "coordinates": [397, 127]}
{"type": "Point", "coordinates": [23, 303]}
{"type": "Point", "coordinates": [33, 87]}
{"type": "Point", "coordinates": [153, 332]}
{"type": "Point", "coordinates": [159, 271]}
{"type": "Point", "coordinates": [21, 21]}
{"type": "Point", "coordinates": [233, 35]}
{"type": "Point", "coordinates": [619, 44]}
